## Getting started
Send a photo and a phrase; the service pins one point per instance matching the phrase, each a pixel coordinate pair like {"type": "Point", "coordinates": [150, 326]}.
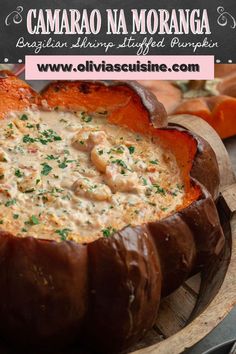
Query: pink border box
{"type": "Point", "coordinates": [205, 63]}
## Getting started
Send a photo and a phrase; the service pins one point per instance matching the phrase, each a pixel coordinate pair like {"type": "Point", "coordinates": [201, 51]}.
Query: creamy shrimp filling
{"type": "Point", "coordinates": [73, 176]}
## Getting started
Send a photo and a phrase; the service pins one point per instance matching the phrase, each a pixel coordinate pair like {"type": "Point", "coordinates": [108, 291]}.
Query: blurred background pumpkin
{"type": "Point", "coordinates": [212, 100]}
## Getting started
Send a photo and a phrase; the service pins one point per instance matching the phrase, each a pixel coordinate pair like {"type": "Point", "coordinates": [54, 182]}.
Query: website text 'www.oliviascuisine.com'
{"type": "Point", "coordinates": [116, 67]}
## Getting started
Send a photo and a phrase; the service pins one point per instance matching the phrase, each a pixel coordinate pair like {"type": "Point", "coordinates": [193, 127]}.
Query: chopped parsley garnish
{"type": "Point", "coordinates": [86, 117]}
{"type": "Point", "coordinates": [1, 222]}
{"type": "Point", "coordinates": [15, 216]}
{"type": "Point", "coordinates": [51, 157]}
{"type": "Point", "coordinates": [46, 136]}
{"type": "Point", "coordinates": [33, 220]}
{"type": "Point", "coordinates": [56, 190]}
{"type": "Point", "coordinates": [63, 233]}
{"type": "Point", "coordinates": [10, 125]}
{"type": "Point", "coordinates": [1, 176]}
{"type": "Point", "coordinates": [24, 117]}
{"type": "Point", "coordinates": [46, 169]}
{"type": "Point", "coordinates": [119, 150]}
{"type": "Point", "coordinates": [108, 231]}
{"type": "Point", "coordinates": [27, 139]}
{"type": "Point", "coordinates": [93, 187]}
{"type": "Point", "coordinates": [18, 173]}
{"type": "Point", "coordinates": [42, 141]}
{"type": "Point", "coordinates": [159, 189]}
{"type": "Point", "coordinates": [23, 230]}
{"type": "Point", "coordinates": [10, 202]}
{"type": "Point", "coordinates": [163, 208]}
{"type": "Point", "coordinates": [131, 149]}
{"type": "Point", "coordinates": [120, 163]}
{"type": "Point", "coordinates": [64, 163]}
{"type": "Point", "coordinates": [30, 126]}
{"type": "Point", "coordinates": [154, 162]}
{"type": "Point", "coordinates": [50, 135]}
{"type": "Point", "coordinates": [37, 181]}
{"type": "Point", "coordinates": [144, 181]}
{"type": "Point", "coordinates": [66, 197]}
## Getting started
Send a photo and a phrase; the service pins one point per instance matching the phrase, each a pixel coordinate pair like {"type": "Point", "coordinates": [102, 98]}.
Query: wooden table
{"type": "Point", "coordinates": [230, 145]}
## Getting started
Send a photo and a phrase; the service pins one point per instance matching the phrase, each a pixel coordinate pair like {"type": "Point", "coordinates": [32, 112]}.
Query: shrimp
{"type": "Point", "coordinates": [118, 182]}
{"type": "Point", "coordinates": [21, 126]}
{"type": "Point", "coordinates": [100, 157]}
{"type": "Point", "coordinates": [85, 140]}
{"type": "Point", "coordinates": [31, 181]}
{"type": "Point", "coordinates": [103, 155]}
{"type": "Point", "coordinates": [99, 192]}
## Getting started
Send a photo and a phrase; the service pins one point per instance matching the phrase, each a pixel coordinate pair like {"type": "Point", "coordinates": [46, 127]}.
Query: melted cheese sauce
{"type": "Point", "coordinates": [67, 176]}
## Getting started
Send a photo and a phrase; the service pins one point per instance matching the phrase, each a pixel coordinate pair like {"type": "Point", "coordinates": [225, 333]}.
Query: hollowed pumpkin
{"type": "Point", "coordinates": [107, 292]}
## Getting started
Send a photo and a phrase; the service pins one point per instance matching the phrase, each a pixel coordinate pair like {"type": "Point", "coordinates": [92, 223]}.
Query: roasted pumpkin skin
{"type": "Point", "coordinates": [107, 292]}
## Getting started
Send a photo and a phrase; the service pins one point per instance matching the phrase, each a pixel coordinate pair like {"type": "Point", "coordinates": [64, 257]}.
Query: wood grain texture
{"type": "Point", "coordinates": [173, 315]}
{"type": "Point", "coordinates": [199, 126]}
{"type": "Point", "coordinates": [206, 318]}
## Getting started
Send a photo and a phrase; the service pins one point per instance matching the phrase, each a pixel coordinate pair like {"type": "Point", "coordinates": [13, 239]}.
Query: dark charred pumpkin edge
{"type": "Point", "coordinates": [205, 166]}
{"type": "Point", "coordinates": [6, 73]}
{"type": "Point", "coordinates": [109, 259]}
{"type": "Point", "coordinates": [200, 218]}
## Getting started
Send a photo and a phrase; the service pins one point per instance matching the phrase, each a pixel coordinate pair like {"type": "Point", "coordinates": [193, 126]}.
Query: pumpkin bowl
{"type": "Point", "coordinates": [104, 292]}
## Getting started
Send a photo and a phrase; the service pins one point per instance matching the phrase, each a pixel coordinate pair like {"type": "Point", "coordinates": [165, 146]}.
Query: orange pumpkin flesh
{"type": "Point", "coordinates": [14, 94]}
{"type": "Point", "coordinates": [121, 101]}
{"type": "Point", "coordinates": [107, 292]}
